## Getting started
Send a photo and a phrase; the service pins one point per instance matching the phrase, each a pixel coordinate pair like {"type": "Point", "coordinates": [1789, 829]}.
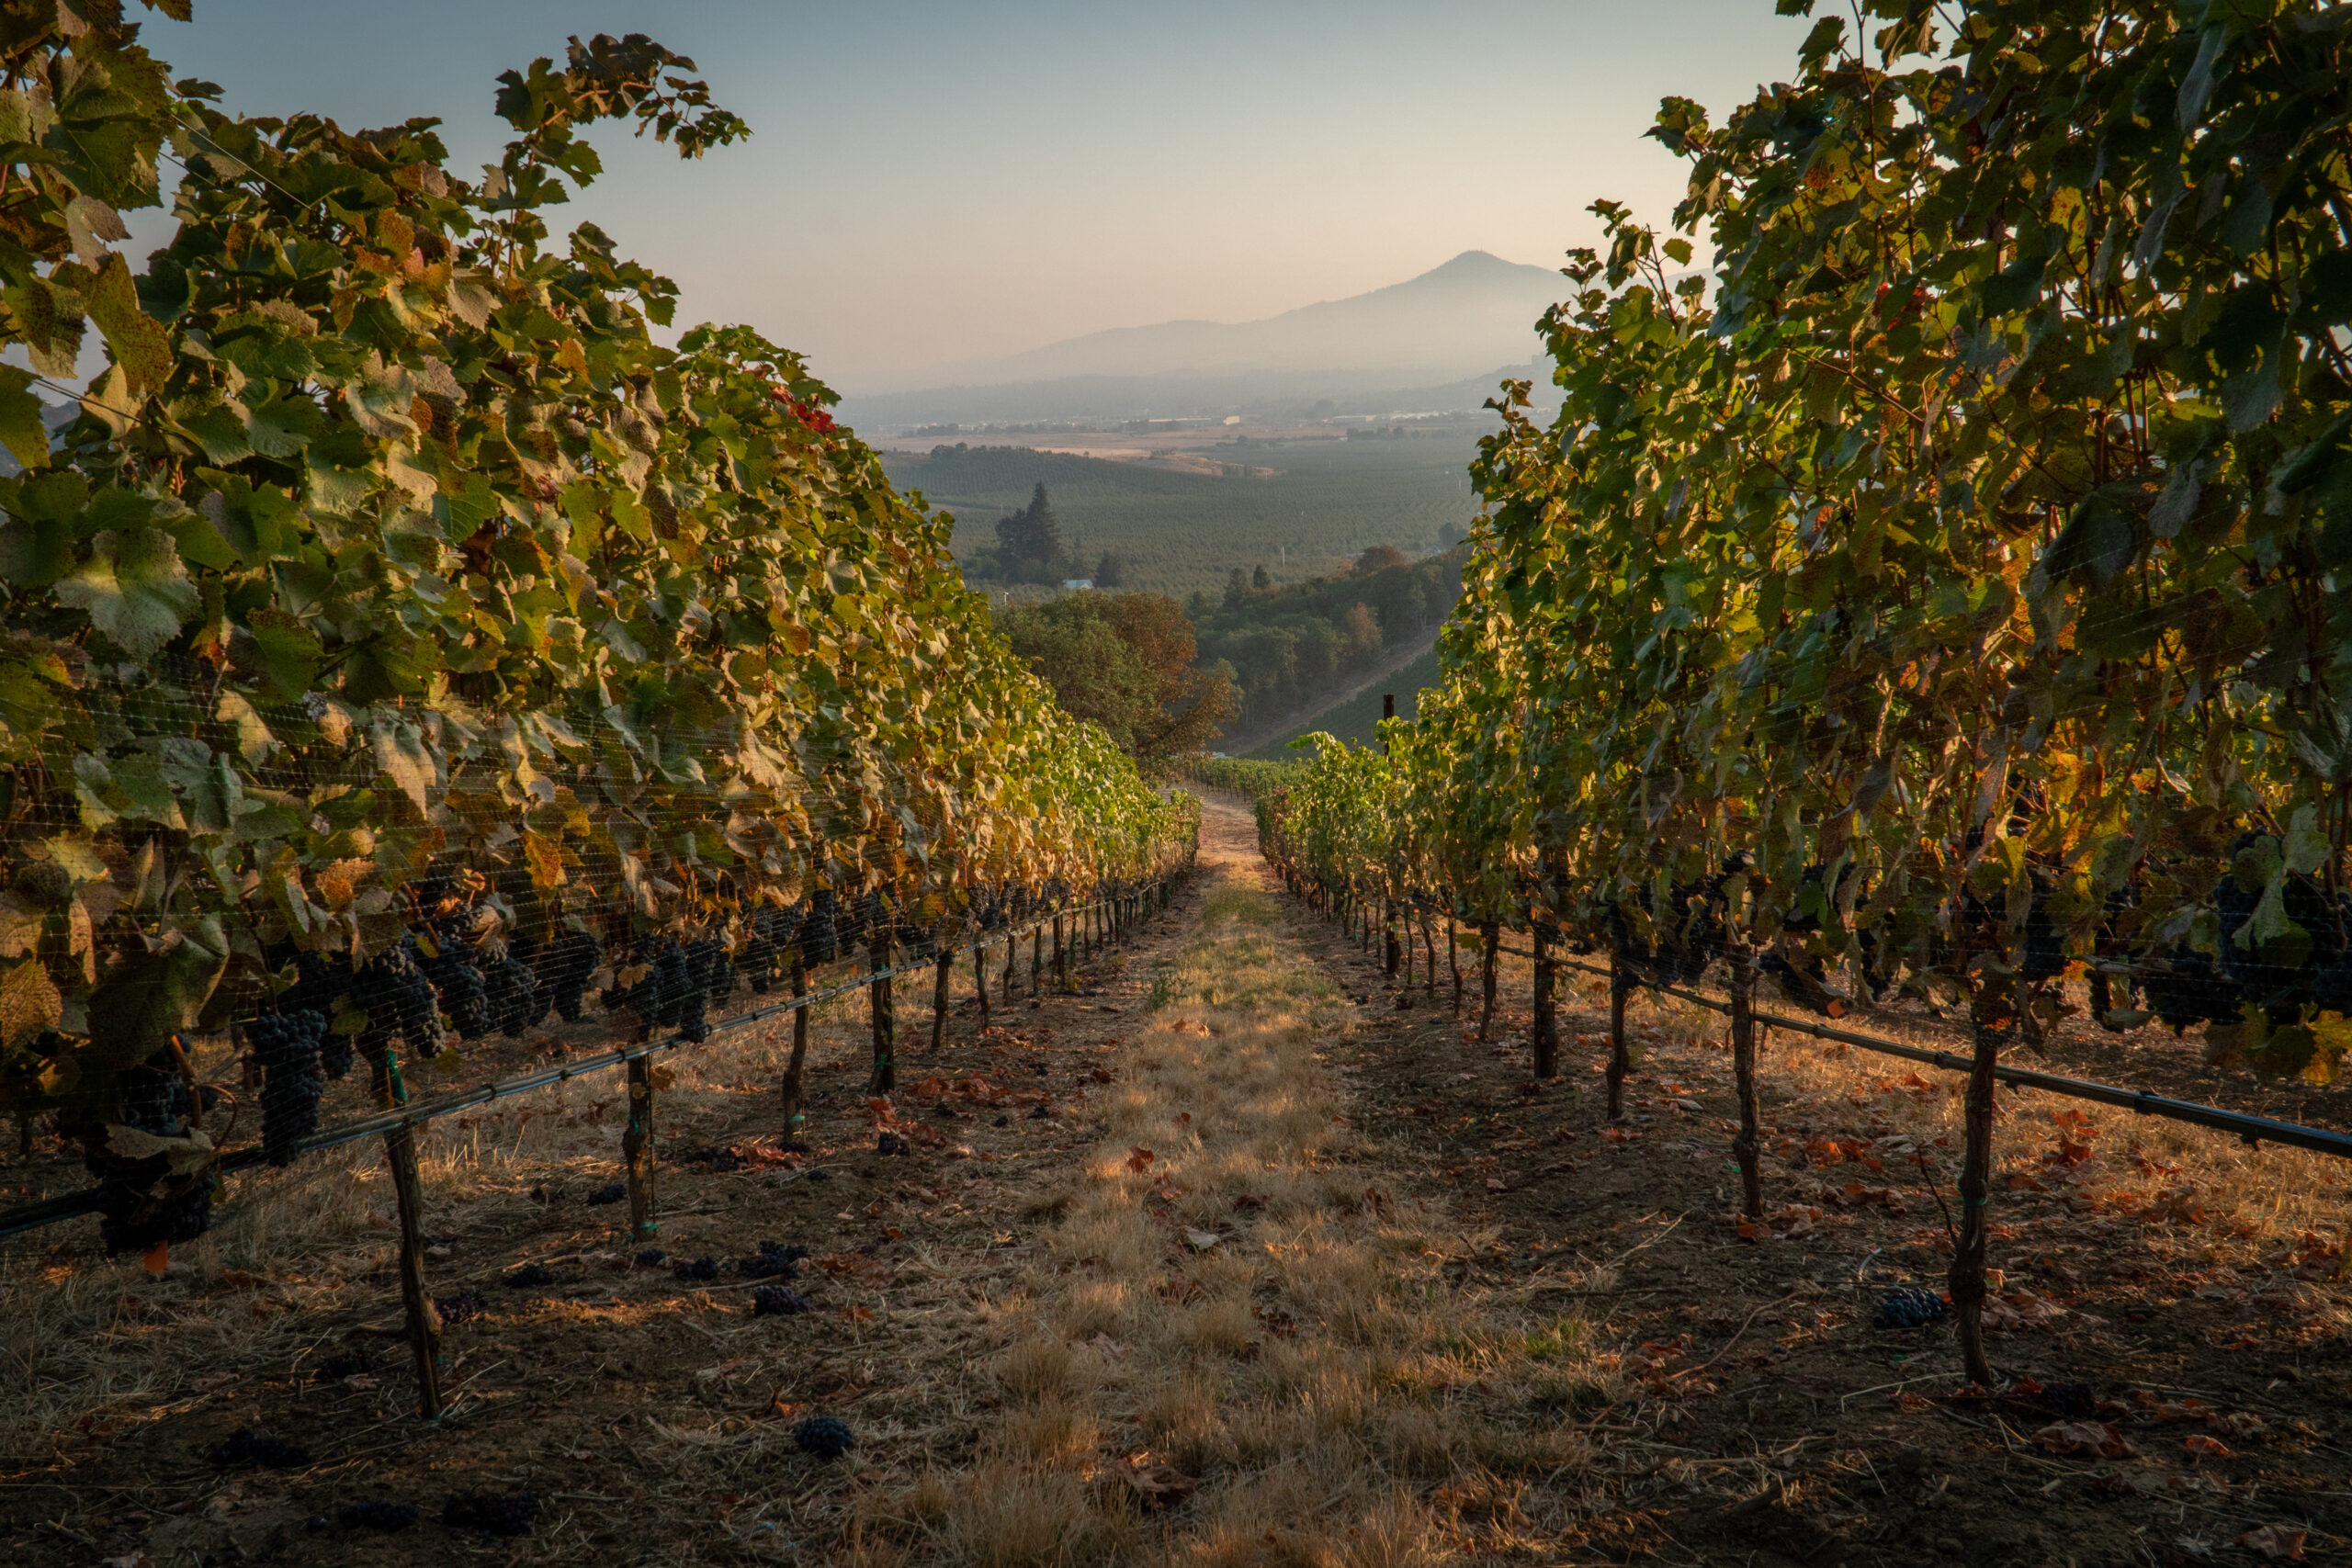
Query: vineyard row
{"type": "Point", "coordinates": [1075, 929]}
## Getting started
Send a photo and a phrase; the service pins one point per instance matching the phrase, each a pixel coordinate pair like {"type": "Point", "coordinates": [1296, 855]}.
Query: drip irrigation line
{"type": "Point", "coordinates": [2145, 1102]}
{"type": "Point", "coordinates": [51, 1210]}
{"type": "Point", "coordinates": [2253, 1130]}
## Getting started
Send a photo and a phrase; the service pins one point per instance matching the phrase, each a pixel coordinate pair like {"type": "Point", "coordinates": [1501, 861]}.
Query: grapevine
{"type": "Point", "coordinates": [1939, 599]}
{"type": "Point", "coordinates": [403, 637]}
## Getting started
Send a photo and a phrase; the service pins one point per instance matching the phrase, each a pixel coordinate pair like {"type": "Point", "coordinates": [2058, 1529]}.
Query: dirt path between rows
{"type": "Point", "coordinates": [2170, 1303]}
{"type": "Point", "coordinates": [1288, 1271]}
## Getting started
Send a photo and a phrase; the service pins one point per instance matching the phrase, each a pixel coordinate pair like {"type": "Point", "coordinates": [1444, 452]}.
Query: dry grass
{"type": "Point", "coordinates": [2227, 1202]}
{"type": "Point", "coordinates": [92, 1345]}
{"type": "Point", "coordinates": [2249, 1201]}
{"type": "Point", "coordinates": [1248, 1307]}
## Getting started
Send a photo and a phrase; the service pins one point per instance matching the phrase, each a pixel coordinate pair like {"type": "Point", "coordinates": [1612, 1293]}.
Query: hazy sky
{"type": "Point", "coordinates": [931, 182]}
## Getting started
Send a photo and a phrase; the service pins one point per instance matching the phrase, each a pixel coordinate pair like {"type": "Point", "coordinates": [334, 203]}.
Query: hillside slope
{"type": "Point", "coordinates": [1357, 718]}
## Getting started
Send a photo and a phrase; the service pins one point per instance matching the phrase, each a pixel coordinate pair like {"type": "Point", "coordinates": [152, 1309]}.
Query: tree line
{"type": "Point", "coordinates": [1285, 648]}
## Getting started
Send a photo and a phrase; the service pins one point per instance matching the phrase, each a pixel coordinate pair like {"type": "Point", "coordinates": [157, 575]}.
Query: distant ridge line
{"type": "Point", "coordinates": [1474, 310]}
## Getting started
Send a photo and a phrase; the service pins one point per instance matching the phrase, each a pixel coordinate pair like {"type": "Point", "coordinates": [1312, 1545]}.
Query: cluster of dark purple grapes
{"type": "Point", "coordinates": [562, 966]}
{"type": "Point", "coordinates": [396, 995]}
{"type": "Point", "coordinates": [448, 958]}
{"type": "Point", "coordinates": [287, 1045]}
{"type": "Point", "coordinates": [409, 987]}
{"type": "Point", "coordinates": [511, 988]}
{"type": "Point", "coordinates": [778, 1300]}
{"type": "Point", "coordinates": [827, 1436]}
{"type": "Point", "coordinates": [459, 1306]}
{"type": "Point", "coordinates": [140, 1203]}
{"type": "Point", "coordinates": [770, 934]}
{"type": "Point", "coordinates": [680, 983]}
{"type": "Point", "coordinates": [773, 1261]}
{"type": "Point", "coordinates": [1908, 1307]}
{"type": "Point", "coordinates": [2291, 979]}
{"type": "Point", "coordinates": [820, 937]}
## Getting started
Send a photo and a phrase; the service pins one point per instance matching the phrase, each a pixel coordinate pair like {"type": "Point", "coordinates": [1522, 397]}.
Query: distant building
{"type": "Point", "coordinates": [1077, 584]}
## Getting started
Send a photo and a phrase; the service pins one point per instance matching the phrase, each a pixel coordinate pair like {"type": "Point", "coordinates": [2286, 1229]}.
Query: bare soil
{"type": "Point", "coordinates": [2172, 1316]}
{"type": "Point", "coordinates": [652, 1416]}
{"type": "Point", "coordinates": [2172, 1307]}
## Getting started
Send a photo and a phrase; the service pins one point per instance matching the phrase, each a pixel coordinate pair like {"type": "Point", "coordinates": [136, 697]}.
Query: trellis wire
{"type": "Point", "coordinates": [67, 1206]}
{"type": "Point", "coordinates": [2251, 1128]}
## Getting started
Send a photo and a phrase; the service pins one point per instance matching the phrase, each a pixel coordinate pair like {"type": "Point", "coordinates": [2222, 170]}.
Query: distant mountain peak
{"type": "Point", "coordinates": [1476, 263]}
{"type": "Point", "coordinates": [1459, 319]}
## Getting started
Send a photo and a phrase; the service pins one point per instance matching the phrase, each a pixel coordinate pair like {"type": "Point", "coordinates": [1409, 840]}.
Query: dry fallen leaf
{"type": "Point", "coordinates": [1140, 1158]}
{"type": "Point", "coordinates": [1158, 1486]}
{"type": "Point", "coordinates": [2275, 1541]}
{"type": "Point", "coordinates": [1202, 1240]}
{"type": "Point", "coordinates": [2199, 1443]}
{"type": "Point", "coordinates": [2099, 1439]}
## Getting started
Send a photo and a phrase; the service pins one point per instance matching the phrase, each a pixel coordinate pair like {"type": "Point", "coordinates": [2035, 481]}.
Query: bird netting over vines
{"type": "Point", "coordinates": [1943, 596]}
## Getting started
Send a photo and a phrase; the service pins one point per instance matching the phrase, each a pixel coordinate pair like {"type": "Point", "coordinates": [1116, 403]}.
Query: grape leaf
{"type": "Point", "coordinates": [134, 588]}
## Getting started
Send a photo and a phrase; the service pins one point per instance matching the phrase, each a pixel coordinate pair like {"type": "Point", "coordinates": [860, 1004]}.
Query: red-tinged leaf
{"type": "Point", "coordinates": [1139, 1160]}
{"type": "Point", "coordinates": [2198, 1443]}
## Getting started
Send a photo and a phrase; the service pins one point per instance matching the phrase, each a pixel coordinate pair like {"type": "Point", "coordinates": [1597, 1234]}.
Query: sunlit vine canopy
{"type": "Point", "coordinates": [392, 541]}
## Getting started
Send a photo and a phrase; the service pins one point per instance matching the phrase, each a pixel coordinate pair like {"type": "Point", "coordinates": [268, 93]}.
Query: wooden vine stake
{"type": "Point", "coordinates": [796, 1069]}
{"type": "Point", "coordinates": [1036, 961]}
{"type": "Point", "coordinates": [1454, 962]}
{"type": "Point", "coordinates": [1489, 937]}
{"type": "Point", "coordinates": [886, 1068]}
{"type": "Point", "coordinates": [1621, 1059]}
{"type": "Point", "coordinates": [1548, 1001]}
{"type": "Point", "coordinates": [1011, 947]}
{"type": "Point", "coordinates": [1391, 954]}
{"type": "Point", "coordinates": [1428, 952]}
{"type": "Point", "coordinates": [1061, 956]}
{"type": "Point", "coordinates": [943, 996]}
{"type": "Point", "coordinates": [1747, 1145]}
{"type": "Point", "coordinates": [980, 977]}
{"type": "Point", "coordinates": [423, 1318]}
{"type": "Point", "coordinates": [636, 1148]}
{"type": "Point", "coordinates": [1988, 1019]}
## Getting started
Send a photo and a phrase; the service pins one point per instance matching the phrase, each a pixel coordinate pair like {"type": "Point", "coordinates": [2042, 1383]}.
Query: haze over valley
{"type": "Point", "coordinates": [1436, 341]}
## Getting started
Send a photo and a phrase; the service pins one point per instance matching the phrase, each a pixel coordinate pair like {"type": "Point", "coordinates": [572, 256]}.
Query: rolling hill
{"type": "Point", "coordinates": [1357, 718]}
